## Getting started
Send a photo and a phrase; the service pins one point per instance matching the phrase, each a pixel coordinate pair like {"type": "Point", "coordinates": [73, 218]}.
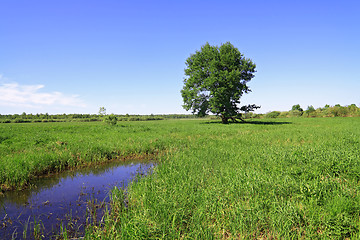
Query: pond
{"type": "Point", "coordinates": [69, 199]}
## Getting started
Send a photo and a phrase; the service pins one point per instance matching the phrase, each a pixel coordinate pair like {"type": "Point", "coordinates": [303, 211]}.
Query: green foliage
{"type": "Point", "coordinates": [111, 119]}
{"type": "Point", "coordinates": [19, 120]}
{"type": "Point", "coordinates": [339, 111]}
{"type": "Point", "coordinates": [297, 108]}
{"type": "Point", "coordinates": [102, 111]}
{"type": "Point", "coordinates": [295, 113]}
{"type": "Point", "coordinates": [353, 109]}
{"type": "Point", "coordinates": [86, 117]}
{"type": "Point", "coordinates": [292, 178]}
{"type": "Point", "coordinates": [310, 112]}
{"type": "Point", "coordinates": [310, 109]}
{"type": "Point", "coordinates": [284, 114]}
{"type": "Point", "coordinates": [216, 79]}
{"type": "Point", "coordinates": [327, 111]}
{"type": "Point", "coordinates": [273, 114]}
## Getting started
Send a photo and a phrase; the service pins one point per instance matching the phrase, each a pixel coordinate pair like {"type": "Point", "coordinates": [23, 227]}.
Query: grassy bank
{"type": "Point", "coordinates": [28, 150]}
{"type": "Point", "coordinates": [289, 178]}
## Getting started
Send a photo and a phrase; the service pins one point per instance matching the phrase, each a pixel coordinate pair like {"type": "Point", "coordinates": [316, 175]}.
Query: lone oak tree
{"type": "Point", "coordinates": [216, 79]}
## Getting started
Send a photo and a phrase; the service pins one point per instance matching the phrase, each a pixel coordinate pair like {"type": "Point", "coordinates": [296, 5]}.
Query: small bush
{"type": "Point", "coordinates": [273, 114]}
{"type": "Point", "coordinates": [259, 116]}
{"type": "Point", "coordinates": [295, 113]}
{"type": "Point", "coordinates": [284, 114]}
{"type": "Point", "coordinates": [134, 119]}
{"type": "Point", "coordinates": [19, 120]}
{"type": "Point", "coordinates": [111, 119]}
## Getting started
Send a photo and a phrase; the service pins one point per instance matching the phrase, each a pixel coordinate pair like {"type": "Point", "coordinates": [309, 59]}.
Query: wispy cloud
{"type": "Point", "coordinates": [16, 95]}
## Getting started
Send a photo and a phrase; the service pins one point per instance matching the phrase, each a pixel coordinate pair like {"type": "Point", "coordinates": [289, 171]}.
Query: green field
{"type": "Point", "coordinates": [265, 179]}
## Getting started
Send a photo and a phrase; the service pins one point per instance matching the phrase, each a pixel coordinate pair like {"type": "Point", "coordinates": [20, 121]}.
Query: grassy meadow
{"type": "Point", "coordinates": [294, 178]}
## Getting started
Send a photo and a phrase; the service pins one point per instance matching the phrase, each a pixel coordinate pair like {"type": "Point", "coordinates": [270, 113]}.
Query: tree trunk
{"type": "Point", "coordinates": [224, 120]}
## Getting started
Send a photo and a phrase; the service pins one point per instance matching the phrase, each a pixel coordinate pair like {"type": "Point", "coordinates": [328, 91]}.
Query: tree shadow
{"type": "Point", "coordinates": [265, 122]}
{"type": "Point", "coordinates": [249, 122]}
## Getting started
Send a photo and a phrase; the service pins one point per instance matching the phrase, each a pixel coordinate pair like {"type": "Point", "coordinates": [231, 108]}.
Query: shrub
{"type": "Point", "coordinates": [134, 119]}
{"type": "Point", "coordinates": [20, 120]}
{"type": "Point", "coordinates": [295, 113]}
{"type": "Point", "coordinates": [111, 119]}
{"type": "Point", "coordinates": [297, 108]}
{"type": "Point", "coordinates": [259, 116]}
{"type": "Point", "coordinates": [273, 114]}
{"type": "Point", "coordinates": [284, 114]}
{"type": "Point", "coordinates": [339, 111]}
{"type": "Point", "coordinates": [353, 110]}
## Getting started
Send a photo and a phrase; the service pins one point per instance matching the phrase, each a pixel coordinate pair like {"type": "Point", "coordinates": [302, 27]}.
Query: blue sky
{"type": "Point", "coordinates": [129, 56]}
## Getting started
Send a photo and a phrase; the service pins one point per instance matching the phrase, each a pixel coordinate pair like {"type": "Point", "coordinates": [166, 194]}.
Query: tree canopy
{"type": "Point", "coordinates": [216, 80]}
{"type": "Point", "coordinates": [297, 108]}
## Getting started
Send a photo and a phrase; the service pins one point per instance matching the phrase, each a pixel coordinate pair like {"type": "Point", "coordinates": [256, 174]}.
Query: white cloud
{"type": "Point", "coordinates": [16, 95]}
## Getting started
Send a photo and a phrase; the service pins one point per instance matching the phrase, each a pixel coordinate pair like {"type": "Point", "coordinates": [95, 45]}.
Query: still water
{"type": "Point", "coordinates": [68, 199]}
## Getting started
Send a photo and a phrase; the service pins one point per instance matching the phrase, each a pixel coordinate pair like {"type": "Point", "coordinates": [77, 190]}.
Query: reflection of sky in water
{"type": "Point", "coordinates": [53, 197]}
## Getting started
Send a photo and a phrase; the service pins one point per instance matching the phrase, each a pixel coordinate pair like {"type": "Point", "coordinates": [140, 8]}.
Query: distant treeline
{"type": "Point", "coordinates": [296, 111]}
{"type": "Point", "coordinates": [40, 117]}
{"type": "Point", "coordinates": [326, 111]}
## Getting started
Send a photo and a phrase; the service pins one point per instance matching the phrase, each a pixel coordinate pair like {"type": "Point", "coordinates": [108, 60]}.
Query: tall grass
{"type": "Point", "coordinates": [249, 181]}
{"type": "Point", "coordinates": [297, 179]}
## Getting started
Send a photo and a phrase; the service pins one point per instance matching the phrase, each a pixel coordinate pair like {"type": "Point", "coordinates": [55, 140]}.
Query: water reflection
{"type": "Point", "coordinates": [62, 199]}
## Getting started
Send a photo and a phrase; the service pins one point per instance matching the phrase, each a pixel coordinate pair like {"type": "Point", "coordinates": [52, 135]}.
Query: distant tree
{"type": "Point", "coordinates": [297, 107]}
{"type": "Point", "coordinates": [353, 106]}
{"type": "Point", "coordinates": [102, 111]}
{"type": "Point", "coordinates": [339, 111]}
{"type": "Point", "coordinates": [216, 79]}
{"type": "Point", "coordinates": [353, 109]}
{"type": "Point", "coordinates": [296, 111]}
{"type": "Point", "coordinates": [310, 112]}
{"type": "Point", "coordinates": [310, 109]}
